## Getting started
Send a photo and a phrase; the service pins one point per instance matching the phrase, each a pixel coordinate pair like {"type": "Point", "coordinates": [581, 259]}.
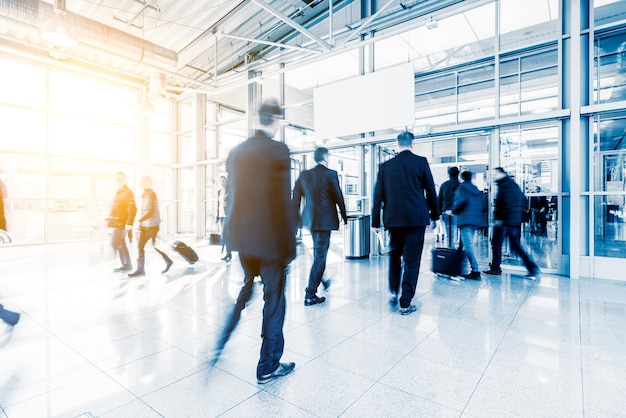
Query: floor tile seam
{"type": "Point", "coordinates": [76, 382]}
{"type": "Point", "coordinates": [271, 394]}
{"type": "Point", "coordinates": [140, 397]}
{"type": "Point", "coordinates": [76, 351]}
{"type": "Point", "coordinates": [495, 351]}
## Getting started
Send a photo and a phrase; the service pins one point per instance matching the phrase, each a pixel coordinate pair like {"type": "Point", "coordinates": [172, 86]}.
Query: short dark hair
{"type": "Point", "coordinates": [405, 139]}
{"type": "Point", "coordinates": [466, 175]}
{"type": "Point", "coordinates": [268, 110]}
{"type": "Point", "coordinates": [319, 154]}
{"type": "Point", "coordinates": [453, 172]}
{"type": "Point", "coordinates": [500, 170]}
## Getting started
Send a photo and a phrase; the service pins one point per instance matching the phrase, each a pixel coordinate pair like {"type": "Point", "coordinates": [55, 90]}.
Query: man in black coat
{"type": "Point", "coordinates": [261, 226]}
{"type": "Point", "coordinates": [405, 192]}
{"type": "Point", "coordinates": [322, 193]}
{"type": "Point", "coordinates": [446, 203]}
{"type": "Point", "coordinates": [508, 216]}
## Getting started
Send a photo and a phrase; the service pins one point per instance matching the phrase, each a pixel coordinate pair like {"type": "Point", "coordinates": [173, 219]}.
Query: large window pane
{"type": "Point", "coordinates": [22, 130]}
{"type": "Point", "coordinates": [528, 22]}
{"type": "Point", "coordinates": [91, 98]}
{"type": "Point", "coordinates": [88, 138]}
{"type": "Point", "coordinates": [22, 84]}
{"type": "Point", "coordinates": [609, 11]}
{"type": "Point", "coordinates": [610, 68]}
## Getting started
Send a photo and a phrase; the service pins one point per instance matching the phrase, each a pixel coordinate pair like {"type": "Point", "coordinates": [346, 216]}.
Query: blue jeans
{"type": "Point", "coordinates": [467, 238]}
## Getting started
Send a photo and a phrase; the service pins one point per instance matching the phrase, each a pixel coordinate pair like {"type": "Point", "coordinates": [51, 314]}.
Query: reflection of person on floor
{"type": "Point", "coordinates": [148, 224]}
{"type": "Point", "coordinates": [319, 187]}
{"type": "Point", "coordinates": [121, 219]}
{"type": "Point", "coordinates": [261, 226]}
{"type": "Point", "coordinates": [508, 214]}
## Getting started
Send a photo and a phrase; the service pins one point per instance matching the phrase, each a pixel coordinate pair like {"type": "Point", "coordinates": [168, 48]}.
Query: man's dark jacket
{"type": "Point", "coordinates": [446, 194]}
{"type": "Point", "coordinates": [322, 193]}
{"type": "Point", "coordinates": [260, 220]}
{"type": "Point", "coordinates": [510, 202]}
{"type": "Point", "coordinates": [123, 209]}
{"type": "Point", "coordinates": [405, 191]}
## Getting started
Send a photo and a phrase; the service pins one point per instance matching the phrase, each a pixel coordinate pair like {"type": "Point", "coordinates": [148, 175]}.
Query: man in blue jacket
{"type": "Point", "coordinates": [322, 194]}
{"type": "Point", "coordinates": [405, 192]}
{"type": "Point", "coordinates": [469, 206]}
{"type": "Point", "coordinates": [508, 215]}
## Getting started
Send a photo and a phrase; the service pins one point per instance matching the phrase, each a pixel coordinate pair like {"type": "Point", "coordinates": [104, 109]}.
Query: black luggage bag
{"type": "Point", "coordinates": [185, 251]}
{"type": "Point", "coordinates": [448, 261]}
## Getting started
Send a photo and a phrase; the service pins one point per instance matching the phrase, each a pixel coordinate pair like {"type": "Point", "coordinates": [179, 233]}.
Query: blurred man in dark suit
{"type": "Point", "coordinates": [261, 226]}
{"type": "Point", "coordinates": [405, 192]}
{"type": "Point", "coordinates": [322, 193]}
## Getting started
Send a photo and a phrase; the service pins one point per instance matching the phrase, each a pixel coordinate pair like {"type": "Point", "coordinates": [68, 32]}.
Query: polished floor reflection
{"type": "Point", "coordinates": [94, 343]}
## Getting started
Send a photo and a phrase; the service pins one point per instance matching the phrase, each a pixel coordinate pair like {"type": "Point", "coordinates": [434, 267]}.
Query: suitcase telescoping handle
{"type": "Point", "coordinates": [450, 219]}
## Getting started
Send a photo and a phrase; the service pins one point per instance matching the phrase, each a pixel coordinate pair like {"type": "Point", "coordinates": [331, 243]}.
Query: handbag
{"type": "Point", "coordinates": [215, 237]}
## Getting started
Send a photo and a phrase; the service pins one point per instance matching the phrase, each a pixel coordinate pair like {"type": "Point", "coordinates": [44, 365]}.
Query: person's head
{"type": "Point", "coordinates": [498, 173]}
{"type": "Point", "coordinates": [453, 172]}
{"type": "Point", "coordinates": [405, 139]}
{"type": "Point", "coordinates": [270, 115]}
{"type": "Point", "coordinates": [120, 179]}
{"type": "Point", "coordinates": [320, 155]}
{"type": "Point", "coordinates": [466, 176]}
{"type": "Point", "coordinates": [222, 181]}
{"type": "Point", "coordinates": [146, 182]}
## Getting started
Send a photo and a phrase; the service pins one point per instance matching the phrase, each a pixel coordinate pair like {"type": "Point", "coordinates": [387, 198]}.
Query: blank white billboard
{"type": "Point", "coordinates": [380, 100]}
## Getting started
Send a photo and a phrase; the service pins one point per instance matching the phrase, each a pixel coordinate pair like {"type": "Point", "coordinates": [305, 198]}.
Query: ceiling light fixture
{"type": "Point", "coordinates": [432, 23]}
{"type": "Point", "coordinates": [56, 29]}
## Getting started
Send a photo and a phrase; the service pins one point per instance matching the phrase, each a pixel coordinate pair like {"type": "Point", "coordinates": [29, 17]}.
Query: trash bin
{"type": "Point", "coordinates": [356, 239]}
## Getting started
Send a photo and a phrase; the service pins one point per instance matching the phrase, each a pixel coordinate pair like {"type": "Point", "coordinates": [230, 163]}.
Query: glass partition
{"type": "Point", "coordinates": [610, 185]}
{"type": "Point", "coordinates": [609, 76]}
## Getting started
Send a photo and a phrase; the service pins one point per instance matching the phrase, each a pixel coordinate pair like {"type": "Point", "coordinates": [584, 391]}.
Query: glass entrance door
{"type": "Point", "coordinates": [529, 154]}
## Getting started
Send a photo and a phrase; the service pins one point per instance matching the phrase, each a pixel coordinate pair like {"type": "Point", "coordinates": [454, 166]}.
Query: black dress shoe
{"type": "Point", "coordinates": [227, 257]}
{"type": "Point", "coordinates": [314, 300]}
{"type": "Point", "coordinates": [282, 370]}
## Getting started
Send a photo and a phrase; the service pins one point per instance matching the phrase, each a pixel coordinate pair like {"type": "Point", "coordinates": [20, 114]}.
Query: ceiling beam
{"type": "Point", "coordinates": [293, 24]}
{"type": "Point", "coordinates": [367, 23]}
{"type": "Point", "coordinates": [278, 44]}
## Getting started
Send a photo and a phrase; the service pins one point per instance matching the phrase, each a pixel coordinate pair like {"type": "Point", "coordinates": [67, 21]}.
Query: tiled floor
{"type": "Point", "coordinates": [93, 343]}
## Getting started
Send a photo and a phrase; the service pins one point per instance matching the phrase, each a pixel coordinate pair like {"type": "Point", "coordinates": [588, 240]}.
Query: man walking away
{"type": "Point", "coordinates": [508, 215]}
{"type": "Point", "coordinates": [322, 193]}
{"type": "Point", "coordinates": [405, 192]}
{"type": "Point", "coordinates": [261, 226]}
{"type": "Point", "coordinates": [469, 210]}
{"type": "Point", "coordinates": [446, 202]}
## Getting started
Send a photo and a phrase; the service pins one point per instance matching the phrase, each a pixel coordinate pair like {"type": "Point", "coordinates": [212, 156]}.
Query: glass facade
{"type": "Point", "coordinates": [485, 79]}
{"type": "Point", "coordinates": [60, 148]}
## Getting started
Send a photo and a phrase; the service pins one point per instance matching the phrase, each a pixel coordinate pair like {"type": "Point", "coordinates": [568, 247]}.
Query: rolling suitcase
{"type": "Point", "coordinates": [185, 251]}
{"type": "Point", "coordinates": [448, 261]}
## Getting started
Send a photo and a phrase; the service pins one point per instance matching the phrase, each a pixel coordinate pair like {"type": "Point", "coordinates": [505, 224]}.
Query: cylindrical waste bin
{"type": "Point", "coordinates": [356, 238]}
